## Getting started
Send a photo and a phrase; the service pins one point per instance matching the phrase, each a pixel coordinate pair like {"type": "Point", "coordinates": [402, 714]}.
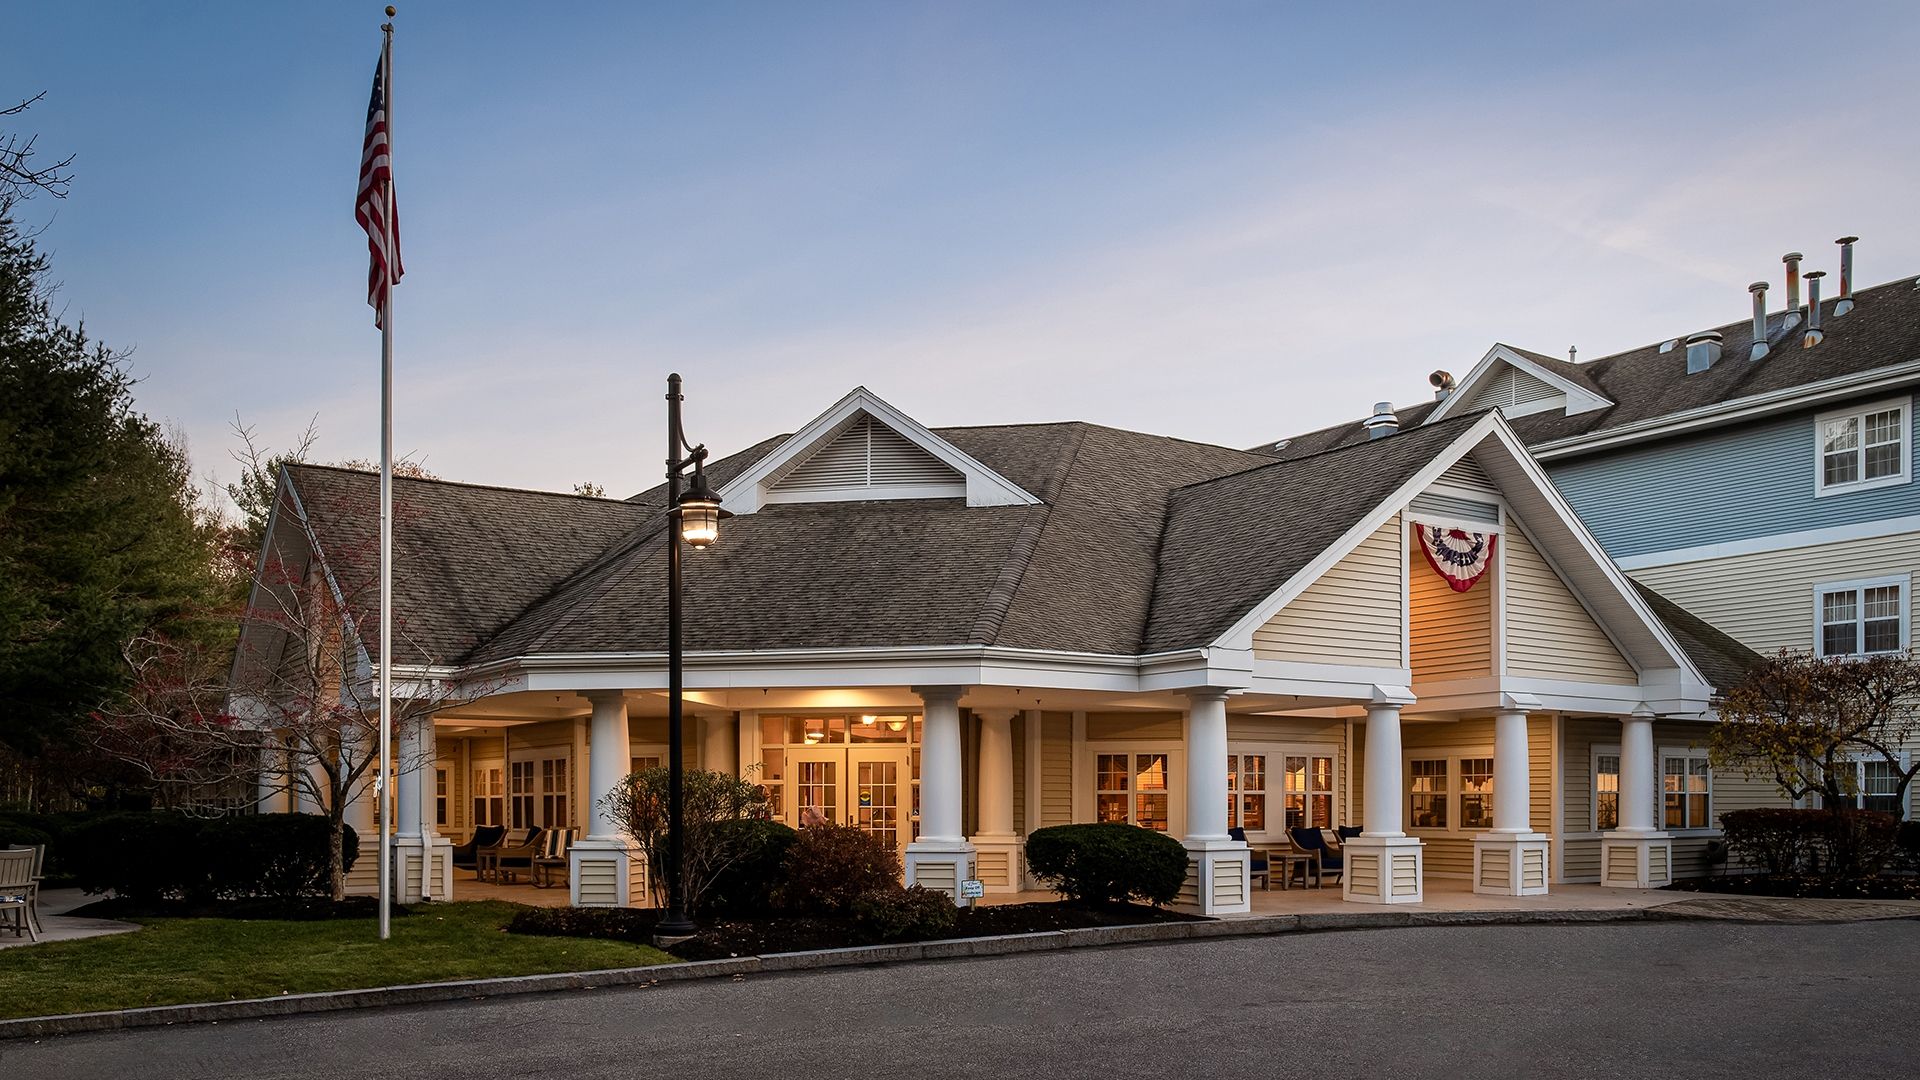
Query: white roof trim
{"type": "Point", "coordinates": [748, 492]}
{"type": "Point", "coordinates": [1579, 398]}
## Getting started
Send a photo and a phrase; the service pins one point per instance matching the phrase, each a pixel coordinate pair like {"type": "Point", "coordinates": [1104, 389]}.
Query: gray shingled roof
{"type": "Point", "coordinates": [1719, 657]}
{"type": "Point", "coordinates": [1645, 383]}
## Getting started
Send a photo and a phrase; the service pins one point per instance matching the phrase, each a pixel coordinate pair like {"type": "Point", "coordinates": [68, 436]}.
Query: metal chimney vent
{"type": "Point", "coordinates": [1703, 351]}
{"type": "Point", "coordinates": [1383, 422]}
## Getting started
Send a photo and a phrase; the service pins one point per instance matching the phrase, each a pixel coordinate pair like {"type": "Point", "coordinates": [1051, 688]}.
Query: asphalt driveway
{"type": "Point", "coordinates": [1626, 1000]}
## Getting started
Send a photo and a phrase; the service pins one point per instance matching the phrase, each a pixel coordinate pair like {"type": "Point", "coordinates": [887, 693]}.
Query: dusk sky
{"type": "Point", "coordinates": [1224, 221]}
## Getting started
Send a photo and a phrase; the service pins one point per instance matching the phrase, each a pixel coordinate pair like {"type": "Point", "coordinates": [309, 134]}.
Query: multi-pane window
{"type": "Point", "coordinates": [1308, 781]}
{"type": "Point", "coordinates": [1858, 618]}
{"type": "Point", "coordinates": [1876, 786]}
{"type": "Point", "coordinates": [556, 807]}
{"type": "Point", "coordinates": [1863, 448]}
{"type": "Point", "coordinates": [520, 794]}
{"type": "Point", "coordinates": [1247, 791]}
{"type": "Point", "coordinates": [1686, 791]}
{"type": "Point", "coordinates": [1606, 790]}
{"type": "Point", "coordinates": [1131, 788]}
{"type": "Point", "coordinates": [487, 796]}
{"type": "Point", "coordinates": [1476, 793]}
{"type": "Point", "coordinates": [1427, 795]}
{"type": "Point", "coordinates": [440, 793]}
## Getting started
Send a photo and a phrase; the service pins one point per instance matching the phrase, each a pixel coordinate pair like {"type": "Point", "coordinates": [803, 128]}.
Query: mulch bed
{"type": "Point", "coordinates": [723, 938]}
{"type": "Point", "coordinates": [293, 909]}
{"type": "Point", "coordinates": [1804, 888]}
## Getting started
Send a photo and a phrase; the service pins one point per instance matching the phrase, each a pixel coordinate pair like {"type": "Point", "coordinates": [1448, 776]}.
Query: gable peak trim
{"type": "Point", "coordinates": [1501, 359]}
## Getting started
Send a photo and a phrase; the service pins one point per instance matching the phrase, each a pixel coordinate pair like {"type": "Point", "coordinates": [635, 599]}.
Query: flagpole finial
{"type": "Point", "coordinates": [391, 12]}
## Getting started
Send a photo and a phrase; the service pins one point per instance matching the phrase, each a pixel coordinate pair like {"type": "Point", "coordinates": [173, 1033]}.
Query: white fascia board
{"type": "Point", "coordinates": [1788, 399]}
{"type": "Point", "coordinates": [1579, 398]}
{"type": "Point", "coordinates": [1240, 634]}
{"type": "Point", "coordinates": [744, 494]}
{"type": "Point", "coordinates": [1788, 541]}
{"type": "Point", "coordinates": [1294, 673]}
{"type": "Point", "coordinates": [1487, 693]}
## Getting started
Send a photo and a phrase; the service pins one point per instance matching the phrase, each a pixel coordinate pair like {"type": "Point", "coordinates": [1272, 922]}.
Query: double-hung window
{"type": "Point", "coordinates": [1132, 788]}
{"type": "Point", "coordinates": [1686, 790]}
{"type": "Point", "coordinates": [1247, 791]}
{"type": "Point", "coordinates": [1861, 447]}
{"type": "Point", "coordinates": [487, 796]}
{"type": "Point", "coordinates": [1606, 789]}
{"type": "Point", "coordinates": [1860, 618]}
{"type": "Point", "coordinates": [1427, 794]}
{"type": "Point", "coordinates": [440, 793]}
{"type": "Point", "coordinates": [1451, 793]}
{"type": "Point", "coordinates": [1876, 786]}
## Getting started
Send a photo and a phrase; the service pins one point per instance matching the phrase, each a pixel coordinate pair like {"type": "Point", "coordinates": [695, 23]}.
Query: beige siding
{"type": "Point", "coordinates": [1549, 634]}
{"type": "Point", "coordinates": [1056, 768]}
{"type": "Point", "coordinates": [1350, 615]}
{"type": "Point", "coordinates": [1539, 773]}
{"type": "Point", "coordinates": [1134, 725]}
{"type": "Point", "coordinates": [1019, 735]}
{"type": "Point", "coordinates": [1452, 631]}
{"type": "Point", "coordinates": [1467, 473]}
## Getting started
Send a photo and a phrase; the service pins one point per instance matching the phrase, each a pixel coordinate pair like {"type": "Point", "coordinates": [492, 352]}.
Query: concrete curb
{"type": "Point", "coordinates": [861, 956]}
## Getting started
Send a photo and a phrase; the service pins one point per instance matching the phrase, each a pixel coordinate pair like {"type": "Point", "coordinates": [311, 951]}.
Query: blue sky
{"type": "Point", "coordinates": [1223, 221]}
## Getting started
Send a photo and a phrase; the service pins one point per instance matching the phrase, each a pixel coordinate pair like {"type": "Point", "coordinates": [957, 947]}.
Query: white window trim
{"type": "Point", "coordinates": [1860, 762]}
{"type": "Point", "coordinates": [1825, 588]}
{"type": "Point", "coordinates": [1683, 753]}
{"type": "Point", "coordinates": [1176, 753]}
{"type": "Point", "coordinates": [1594, 754]}
{"type": "Point", "coordinates": [1822, 489]}
{"type": "Point", "coordinates": [1276, 754]}
{"type": "Point", "coordinates": [1452, 755]}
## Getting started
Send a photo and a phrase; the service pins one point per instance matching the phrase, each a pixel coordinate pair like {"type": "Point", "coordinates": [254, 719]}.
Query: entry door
{"type": "Point", "coordinates": [816, 781]}
{"type": "Point", "coordinates": [879, 793]}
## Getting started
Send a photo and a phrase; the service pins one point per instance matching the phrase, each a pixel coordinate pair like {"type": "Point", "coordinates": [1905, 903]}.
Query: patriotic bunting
{"type": "Point", "coordinates": [1458, 556]}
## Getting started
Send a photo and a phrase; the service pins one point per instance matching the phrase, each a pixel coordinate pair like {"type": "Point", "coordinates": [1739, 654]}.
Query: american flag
{"type": "Point", "coordinates": [375, 208]}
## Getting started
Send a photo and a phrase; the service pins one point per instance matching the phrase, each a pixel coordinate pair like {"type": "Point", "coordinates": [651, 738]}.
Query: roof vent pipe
{"type": "Point", "coordinates": [1442, 382]}
{"type": "Point", "coordinates": [1703, 350]}
{"type": "Point", "coordinates": [1759, 291]}
{"type": "Point", "coordinates": [1814, 335]}
{"type": "Point", "coordinates": [1383, 422]}
{"type": "Point", "coordinates": [1844, 303]}
{"type": "Point", "coordinates": [1792, 259]}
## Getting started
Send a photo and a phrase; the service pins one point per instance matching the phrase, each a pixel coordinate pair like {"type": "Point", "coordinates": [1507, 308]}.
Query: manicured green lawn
{"type": "Point", "coordinates": [178, 961]}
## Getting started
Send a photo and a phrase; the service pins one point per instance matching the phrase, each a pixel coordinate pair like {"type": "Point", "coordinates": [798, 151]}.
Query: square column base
{"type": "Point", "coordinates": [1000, 861]}
{"type": "Point", "coordinates": [1636, 860]}
{"type": "Point", "coordinates": [1510, 864]}
{"type": "Point", "coordinates": [422, 869]}
{"type": "Point", "coordinates": [1218, 878]}
{"type": "Point", "coordinates": [604, 872]}
{"type": "Point", "coordinates": [364, 878]}
{"type": "Point", "coordinates": [941, 865]}
{"type": "Point", "coordinates": [1383, 870]}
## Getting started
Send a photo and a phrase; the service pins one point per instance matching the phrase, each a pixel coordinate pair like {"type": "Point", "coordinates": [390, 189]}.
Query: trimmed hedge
{"type": "Point", "coordinates": [910, 914]}
{"type": "Point", "coordinates": [150, 857]}
{"type": "Point", "coordinates": [746, 885]}
{"type": "Point", "coordinates": [1832, 843]}
{"type": "Point", "coordinates": [1108, 863]}
{"type": "Point", "coordinates": [829, 867]}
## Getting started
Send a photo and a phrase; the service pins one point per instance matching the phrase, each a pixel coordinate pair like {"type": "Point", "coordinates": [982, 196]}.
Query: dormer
{"type": "Point", "coordinates": [864, 449]}
{"type": "Point", "coordinates": [1519, 383]}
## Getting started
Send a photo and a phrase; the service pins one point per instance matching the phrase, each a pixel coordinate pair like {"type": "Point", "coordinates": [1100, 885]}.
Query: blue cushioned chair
{"type": "Point", "coordinates": [1310, 842]}
{"type": "Point", "coordinates": [1348, 832]}
{"type": "Point", "coordinates": [1257, 867]}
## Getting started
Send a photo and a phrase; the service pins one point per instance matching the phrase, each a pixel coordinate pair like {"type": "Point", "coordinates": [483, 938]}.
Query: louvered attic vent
{"type": "Point", "coordinates": [1518, 393]}
{"type": "Point", "coordinates": [871, 458]}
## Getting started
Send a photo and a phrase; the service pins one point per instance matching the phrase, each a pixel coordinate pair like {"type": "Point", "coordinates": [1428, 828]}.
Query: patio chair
{"type": "Point", "coordinates": [509, 859]}
{"type": "Point", "coordinates": [1258, 867]}
{"type": "Point", "coordinates": [16, 878]}
{"type": "Point", "coordinates": [1348, 832]}
{"type": "Point", "coordinates": [486, 859]}
{"type": "Point", "coordinates": [467, 856]}
{"type": "Point", "coordinates": [1326, 860]}
{"type": "Point", "coordinates": [554, 844]}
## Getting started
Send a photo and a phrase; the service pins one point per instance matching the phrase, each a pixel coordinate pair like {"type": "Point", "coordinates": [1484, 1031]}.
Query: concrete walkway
{"type": "Point", "coordinates": [57, 925]}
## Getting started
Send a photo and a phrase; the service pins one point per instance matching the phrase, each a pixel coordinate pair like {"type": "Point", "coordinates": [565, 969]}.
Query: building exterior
{"type": "Point", "coordinates": [952, 637]}
{"type": "Point", "coordinates": [1758, 475]}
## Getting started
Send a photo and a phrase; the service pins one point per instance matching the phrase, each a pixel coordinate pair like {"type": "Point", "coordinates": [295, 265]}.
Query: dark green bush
{"type": "Point", "coordinates": [1834, 844]}
{"type": "Point", "coordinates": [1776, 840]}
{"type": "Point", "coordinates": [611, 923]}
{"type": "Point", "coordinates": [1108, 863]}
{"type": "Point", "coordinates": [745, 886]}
{"type": "Point", "coordinates": [828, 867]}
{"type": "Point", "coordinates": [153, 856]}
{"type": "Point", "coordinates": [913, 914]}
{"type": "Point", "coordinates": [271, 855]}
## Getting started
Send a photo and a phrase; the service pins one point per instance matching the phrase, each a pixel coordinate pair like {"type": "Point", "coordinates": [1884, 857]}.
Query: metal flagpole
{"type": "Point", "coordinates": [386, 512]}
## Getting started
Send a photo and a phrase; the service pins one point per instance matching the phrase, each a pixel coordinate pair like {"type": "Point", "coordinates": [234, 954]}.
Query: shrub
{"type": "Point", "coordinates": [913, 914]}
{"type": "Point", "coordinates": [609, 923]}
{"type": "Point", "coordinates": [1833, 844]}
{"type": "Point", "coordinates": [1108, 863]}
{"type": "Point", "coordinates": [271, 855]}
{"type": "Point", "coordinates": [1775, 839]}
{"type": "Point", "coordinates": [1906, 843]}
{"type": "Point", "coordinates": [831, 866]}
{"type": "Point", "coordinates": [1855, 843]}
{"type": "Point", "coordinates": [746, 885]}
{"type": "Point", "coordinates": [710, 801]}
{"type": "Point", "coordinates": [152, 856]}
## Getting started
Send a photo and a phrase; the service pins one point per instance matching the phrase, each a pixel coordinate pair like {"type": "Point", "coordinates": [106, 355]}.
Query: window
{"type": "Point", "coordinates": [1131, 788]}
{"type": "Point", "coordinates": [556, 809]}
{"type": "Point", "coordinates": [1476, 793]}
{"type": "Point", "coordinates": [1876, 786]}
{"type": "Point", "coordinates": [1686, 787]}
{"type": "Point", "coordinates": [1861, 448]}
{"type": "Point", "coordinates": [1606, 790]}
{"type": "Point", "coordinates": [440, 797]}
{"type": "Point", "coordinates": [1858, 618]}
{"type": "Point", "coordinates": [520, 794]}
{"type": "Point", "coordinates": [487, 792]}
{"type": "Point", "coordinates": [1309, 791]}
{"type": "Point", "coordinates": [1247, 791]}
{"type": "Point", "coordinates": [1428, 796]}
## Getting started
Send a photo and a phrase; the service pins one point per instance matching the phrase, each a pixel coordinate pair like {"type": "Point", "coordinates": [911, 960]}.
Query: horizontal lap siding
{"type": "Point", "coordinates": [1350, 615]}
{"type": "Point", "coordinates": [1549, 634]}
{"type": "Point", "coordinates": [1539, 774]}
{"type": "Point", "coordinates": [1019, 778]}
{"type": "Point", "coordinates": [1581, 849]}
{"type": "Point", "coordinates": [1140, 725]}
{"type": "Point", "coordinates": [1056, 768]}
{"type": "Point", "coordinates": [1448, 854]}
{"type": "Point", "coordinates": [1452, 631]}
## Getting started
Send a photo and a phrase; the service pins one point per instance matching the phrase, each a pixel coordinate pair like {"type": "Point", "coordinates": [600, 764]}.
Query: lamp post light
{"type": "Point", "coordinates": [693, 517]}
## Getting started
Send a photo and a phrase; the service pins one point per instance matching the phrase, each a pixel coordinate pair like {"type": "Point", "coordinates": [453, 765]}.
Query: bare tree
{"type": "Point", "coordinates": [20, 175]}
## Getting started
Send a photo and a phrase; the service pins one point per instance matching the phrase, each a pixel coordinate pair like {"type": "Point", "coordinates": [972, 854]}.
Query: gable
{"type": "Point", "coordinates": [866, 459]}
{"type": "Point", "coordinates": [1516, 393]}
{"type": "Point", "coordinates": [1351, 613]}
{"type": "Point", "coordinates": [1519, 383]}
{"type": "Point", "coordinates": [1549, 633]}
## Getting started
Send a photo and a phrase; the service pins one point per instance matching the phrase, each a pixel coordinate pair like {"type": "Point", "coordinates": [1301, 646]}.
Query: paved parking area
{"type": "Point", "coordinates": [1694, 999]}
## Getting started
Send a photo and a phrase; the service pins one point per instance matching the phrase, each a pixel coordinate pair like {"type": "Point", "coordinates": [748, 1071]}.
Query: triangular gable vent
{"type": "Point", "coordinates": [1513, 391]}
{"type": "Point", "coordinates": [870, 455]}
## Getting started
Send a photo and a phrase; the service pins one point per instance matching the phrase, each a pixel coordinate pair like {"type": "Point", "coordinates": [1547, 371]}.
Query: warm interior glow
{"type": "Point", "coordinates": [699, 523]}
{"type": "Point", "coordinates": [868, 721]}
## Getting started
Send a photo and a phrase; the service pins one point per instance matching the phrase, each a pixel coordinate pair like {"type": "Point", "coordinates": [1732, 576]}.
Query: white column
{"type": "Point", "coordinates": [1637, 855]}
{"type": "Point", "coordinates": [1218, 867]}
{"type": "Point", "coordinates": [411, 766]}
{"type": "Point", "coordinates": [941, 858]}
{"type": "Point", "coordinates": [1511, 859]}
{"type": "Point", "coordinates": [1383, 865]}
{"type": "Point", "coordinates": [717, 734]}
{"type": "Point", "coordinates": [604, 869]}
{"type": "Point", "coordinates": [364, 879]}
{"type": "Point", "coordinates": [271, 785]}
{"type": "Point", "coordinates": [997, 849]}
{"type": "Point", "coordinates": [422, 862]}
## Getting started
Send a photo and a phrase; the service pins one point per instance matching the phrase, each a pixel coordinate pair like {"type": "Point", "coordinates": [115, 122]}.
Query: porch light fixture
{"type": "Point", "coordinates": [700, 512]}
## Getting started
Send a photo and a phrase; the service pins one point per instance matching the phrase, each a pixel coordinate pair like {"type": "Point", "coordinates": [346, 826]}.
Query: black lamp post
{"type": "Point", "coordinates": [693, 517]}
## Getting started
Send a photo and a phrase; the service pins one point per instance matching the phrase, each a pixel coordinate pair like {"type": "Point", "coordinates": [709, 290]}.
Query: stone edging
{"type": "Point", "coordinates": [1005, 945]}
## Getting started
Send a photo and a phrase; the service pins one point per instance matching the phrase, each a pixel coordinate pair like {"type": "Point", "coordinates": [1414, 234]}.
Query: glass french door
{"type": "Point", "coordinates": [865, 787]}
{"type": "Point", "coordinates": [877, 801]}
